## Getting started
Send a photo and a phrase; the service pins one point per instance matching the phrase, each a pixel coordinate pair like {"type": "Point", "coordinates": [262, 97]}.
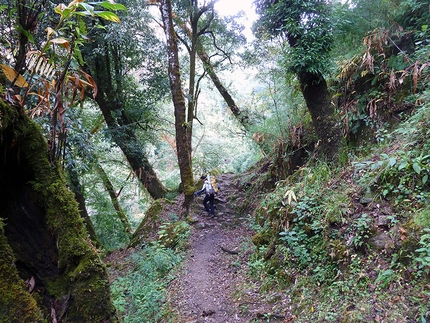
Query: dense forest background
{"type": "Point", "coordinates": [110, 112]}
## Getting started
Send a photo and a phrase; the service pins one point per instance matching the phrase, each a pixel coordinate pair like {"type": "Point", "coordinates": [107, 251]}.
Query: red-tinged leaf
{"type": "Point", "coordinates": [61, 41]}
{"type": "Point", "coordinates": [93, 84]}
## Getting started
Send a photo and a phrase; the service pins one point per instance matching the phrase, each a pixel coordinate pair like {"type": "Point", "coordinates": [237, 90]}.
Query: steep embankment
{"type": "Point", "coordinates": [212, 286]}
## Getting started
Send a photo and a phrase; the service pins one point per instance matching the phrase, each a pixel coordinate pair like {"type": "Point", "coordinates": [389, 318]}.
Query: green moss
{"type": "Point", "coordinates": [173, 235]}
{"type": "Point", "coordinates": [83, 274]}
{"type": "Point", "coordinates": [149, 222]}
{"type": "Point", "coordinates": [16, 303]}
{"type": "Point", "coordinates": [261, 239]}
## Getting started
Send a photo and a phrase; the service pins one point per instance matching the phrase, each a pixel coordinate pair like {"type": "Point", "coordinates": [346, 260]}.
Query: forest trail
{"type": "Point", "coordinates": [211, 287]}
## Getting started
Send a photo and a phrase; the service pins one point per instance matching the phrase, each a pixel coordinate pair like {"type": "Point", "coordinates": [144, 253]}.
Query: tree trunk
{"type": "Point", "coordinates": [181, 125]}
{"type": "Point", "coordinates": [17, 305]}
{"type": "Point", "coordinates": [110, 101]}
{"type": "Point", "coordinates": [204, 57]}
{"type": "Point", "coordinates": [76, 188]}
{"type": "Point", "coordinates": [114, 198]}
{"type": "Point", "coordinates": [317, 97]}
{"type": "Point", "coordinates": [240, 116]}
{"type": "Point", "coordinates": [47, 238]}
{"type": "Point", "coordinates": [126, 140]}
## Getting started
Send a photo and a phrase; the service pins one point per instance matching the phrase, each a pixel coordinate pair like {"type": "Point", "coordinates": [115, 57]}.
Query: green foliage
{"type": "Point", "coordinates": [361, 229]}
{"type": "Point", "coordinates": [323, 234]}
{"type": "Point", "coordinates": [423, 258]}
{"type": "Point", "coordinates": [306, 24]}
{"type": "Point", "coordinates": [404, 173]}
{"type": "Point", "coordinates": [140, 292]}
{"type": "Point", "coordinates": [174, 235]}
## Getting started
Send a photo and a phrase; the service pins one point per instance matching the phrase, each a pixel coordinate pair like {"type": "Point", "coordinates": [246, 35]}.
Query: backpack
{"type": "Point", "coordinates": [214, 187]}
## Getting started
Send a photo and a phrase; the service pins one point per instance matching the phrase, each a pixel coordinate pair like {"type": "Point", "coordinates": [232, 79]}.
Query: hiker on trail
{"type": "Point", "coordinates": [210, 188]}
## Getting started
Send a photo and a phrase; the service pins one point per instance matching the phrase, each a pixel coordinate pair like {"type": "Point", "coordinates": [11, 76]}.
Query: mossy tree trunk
{"type": "Point", "coordinates": [106, 69]}
{"type": "Point", "coordinates": [76, 187]}
{"type": "Point", "coordinates": [182, 127]}
{"type": "Point", "coordinates": [242, 117]}
{"type": "Point", "coordinates": [46, 237]}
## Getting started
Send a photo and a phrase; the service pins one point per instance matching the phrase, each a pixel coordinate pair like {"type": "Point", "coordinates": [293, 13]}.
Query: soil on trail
{"type": "Point", "coordinates": [211, 286]}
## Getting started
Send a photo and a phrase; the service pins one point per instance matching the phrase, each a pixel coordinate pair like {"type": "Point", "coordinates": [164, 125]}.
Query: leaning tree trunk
{"type": "Point", "coordinates": [183, 144]}
{"type": "Point", "coordinates": [242, 117]}
{"type": "Point", "coordinates": [110, 99]}
{"type": "Point", "coordinates": [127, 141]}
{"type": "Point", "coordinates": [317, 97]}
{"type": "Point", "coordinates": [47, 243]}
{"type": "Point", "coordinates": [76, 187]}
{"type": "Point", "coordinates": [114, 198]}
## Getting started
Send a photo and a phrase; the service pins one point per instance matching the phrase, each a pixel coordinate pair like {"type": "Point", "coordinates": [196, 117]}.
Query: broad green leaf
{"type": "Point", "coordinates": [108, 16]}
{"type": "Point", "coordinates": [26, 33]}
{"type": "Point", "coordinates": [425, 178]}
{"type": "Point", "coordinates": [63, 11]}
{"type": "Point", "coordinates": [59, 9]}
{"type": "Point", "coordinates": [392, 161]}
{"type": "Point", "coordinates": [110, 6]}
{"type": "Point", "coordinates": [403, 164]}
{"type": "Point", "coordinates": [88, 8]}
{"type": "Point", "coordinates": [417, 168]}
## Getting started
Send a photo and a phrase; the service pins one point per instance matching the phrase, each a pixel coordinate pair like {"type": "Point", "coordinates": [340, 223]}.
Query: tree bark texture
{"type": "Point", "coordinates": [110, 101]}
{"type": "Point", "coordinates": [183, 143]}
{"type": "Point", "coordinates": [47, 243]}
{"type": "Point", "coordinates": [240, 116]}
{"type": "Point", "coordinates": [76, 188]}
{"type": "Point", "coordinates": [317, 97]}
{"type": "Point", "coordinates": [114, 198]}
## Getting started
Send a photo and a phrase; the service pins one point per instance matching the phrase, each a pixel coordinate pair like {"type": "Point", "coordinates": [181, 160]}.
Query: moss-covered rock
{"type": "Point", "coordinates": [174, 234]}
{"type": "Point", "coordinates": [261, 238]}
{"type": "Point", "coordinates": [148, 228]}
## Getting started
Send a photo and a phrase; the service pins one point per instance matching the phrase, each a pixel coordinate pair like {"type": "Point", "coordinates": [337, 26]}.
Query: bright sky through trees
{"type": "Point", "coordinates": [232, 7]}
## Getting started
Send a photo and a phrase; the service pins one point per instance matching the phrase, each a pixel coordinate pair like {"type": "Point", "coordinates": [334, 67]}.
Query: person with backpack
{"type": "Point", "coordinates": [210, 188]}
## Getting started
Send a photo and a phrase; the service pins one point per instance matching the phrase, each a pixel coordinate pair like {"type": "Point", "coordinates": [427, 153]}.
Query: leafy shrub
{"type": "Point", "coordinates": [140, 293]}
{"type": "Point", "coordinates": [423, 259]}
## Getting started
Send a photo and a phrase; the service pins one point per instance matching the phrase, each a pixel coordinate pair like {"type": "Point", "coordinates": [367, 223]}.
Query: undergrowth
{"type": "Point", "coordinates": [140, 291]}
{"type": "Point", "coordinates": [352, 244]}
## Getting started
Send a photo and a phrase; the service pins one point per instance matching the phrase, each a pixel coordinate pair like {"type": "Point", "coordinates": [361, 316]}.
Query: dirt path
{"type": "Point", "coordinates": [208, 288]}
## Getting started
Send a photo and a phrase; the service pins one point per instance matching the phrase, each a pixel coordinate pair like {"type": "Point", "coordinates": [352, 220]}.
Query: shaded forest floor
{"type": "Point", "coordinates": [213, 285]}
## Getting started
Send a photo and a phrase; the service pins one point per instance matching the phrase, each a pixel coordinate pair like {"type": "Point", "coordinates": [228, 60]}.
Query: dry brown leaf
{"type": "Point", "coordinates": [12, 75]}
